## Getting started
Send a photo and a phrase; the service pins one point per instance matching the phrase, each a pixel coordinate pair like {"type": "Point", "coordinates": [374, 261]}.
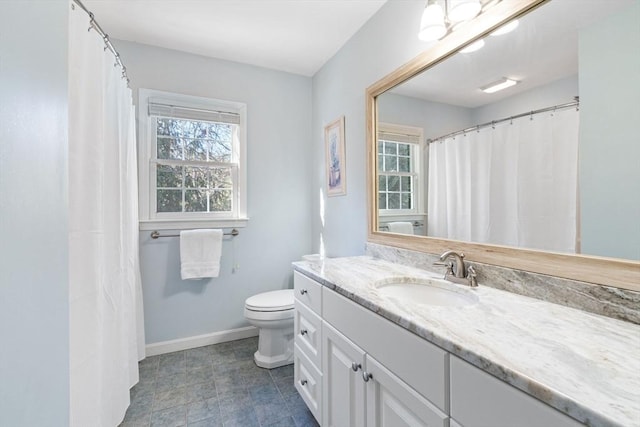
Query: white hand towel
{"type": "Point", "coordinates": [401, 227]}
{"type": "Point", "coordinates": [200, 253]}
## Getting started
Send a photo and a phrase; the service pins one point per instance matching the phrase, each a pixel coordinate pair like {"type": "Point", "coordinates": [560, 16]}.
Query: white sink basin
{"type": "Point", "coordinates": [425, 291]}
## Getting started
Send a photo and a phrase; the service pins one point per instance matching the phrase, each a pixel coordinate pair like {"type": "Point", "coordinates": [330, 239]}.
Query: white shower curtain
{"type": "Point", "coordinates": [105, 296]}
{"type": "Point", "coordinates": [514, 185]}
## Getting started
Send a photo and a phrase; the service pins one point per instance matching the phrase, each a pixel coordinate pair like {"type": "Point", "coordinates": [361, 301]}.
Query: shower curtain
{"type": "Point", "coordinates": [106, 336]}
{"type": "Point", "coordinates": [514, 185]}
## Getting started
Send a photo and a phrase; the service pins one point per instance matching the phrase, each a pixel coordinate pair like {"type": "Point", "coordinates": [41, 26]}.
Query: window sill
{"type": "Point", "coordinates": [187, 224]}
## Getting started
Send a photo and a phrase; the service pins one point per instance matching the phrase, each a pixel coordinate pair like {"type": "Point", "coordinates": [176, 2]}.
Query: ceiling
{"type": "Point", "coordinates": [543, 49]}
{"type": "Point", "coordinates": [296, 36]}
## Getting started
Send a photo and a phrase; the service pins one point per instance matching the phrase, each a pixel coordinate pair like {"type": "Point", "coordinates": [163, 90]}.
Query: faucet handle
{"type": "Point", "coordinates": [449, 266]}
{"type": "Point", "coordinates": [472, 276]}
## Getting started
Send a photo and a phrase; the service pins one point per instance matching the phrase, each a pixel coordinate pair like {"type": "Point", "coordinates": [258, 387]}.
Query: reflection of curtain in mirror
{"type": "Point", "coordinates": [514, 185]}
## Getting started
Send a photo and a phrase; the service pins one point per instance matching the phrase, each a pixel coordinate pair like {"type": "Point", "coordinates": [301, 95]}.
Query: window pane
{"type": "Point", "coordinates": [404, 164]}
{"type": "Point", "coordinates": [169, 201]}
{"type": "Point", "coordinates": [390, 148]}
{"type": "Point", "coordinates": [382, 183]}
{"type": "Point", "coordinates": [382, 200]}
{"type": "Point", "coordinates": [196, 149]}
{"type": "Point", "coordinates": [404, 149]}
{"type": "Point", "coordinates": [169, 176]}
{"type": "Point", "coordinates": [380, 162]}
{"type": "Point", "coordinates": [390, 164]}
{"type": "Point", "coordinates": [221, 178]}
{"type": "Point", "coordinates": [169, 148]}
{"type": "Point", "coordinates": [394, 183]}
{"type": "Point", "coordinates": [165, 126]}
{"type": "Point", "coordinates": [406, 201]}
{"type": "Point", "coordinates": [405, 183]}
{"type": "Point", "coordinates": [394, 201]}
{"type": "Point", "coordinates": [220, 151]}
{"type": "Point", "coordinates": [196, 177]}
{"type": "Point", "coordinates": [195, 200]}
{"type": "Point", "coordinates": [220, 201]}
{"type": "Point", "coordinates": [380, 147]}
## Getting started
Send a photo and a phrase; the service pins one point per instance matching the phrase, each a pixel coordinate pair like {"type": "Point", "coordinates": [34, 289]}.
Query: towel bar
{"type": "Point", "coordinates": [155, 234]}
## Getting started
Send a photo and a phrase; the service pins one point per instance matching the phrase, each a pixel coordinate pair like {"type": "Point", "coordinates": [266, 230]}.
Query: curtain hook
{"type": "Point", "coordinates": [531, 115]}
{"type": "Point", "coordinates": [493, 124]}
{"type": "Point", "coordinates": [511, 123]}
{"type": "Point", "coordinates": [478, 128]}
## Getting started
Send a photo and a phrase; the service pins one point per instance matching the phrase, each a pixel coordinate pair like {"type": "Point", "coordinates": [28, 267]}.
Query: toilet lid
{"type": "Point", "coordinates": [271, 301]}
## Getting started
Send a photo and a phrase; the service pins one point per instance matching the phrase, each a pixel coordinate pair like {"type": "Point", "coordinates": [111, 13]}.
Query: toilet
{"type": "Point", "coordinates": [272, 313]}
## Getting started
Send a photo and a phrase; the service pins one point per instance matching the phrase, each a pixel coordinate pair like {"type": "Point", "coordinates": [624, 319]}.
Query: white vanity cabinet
{"type": "Point", "coordinates": [307, 350]}
{"type": "Point", "coordinates": [355, 368]}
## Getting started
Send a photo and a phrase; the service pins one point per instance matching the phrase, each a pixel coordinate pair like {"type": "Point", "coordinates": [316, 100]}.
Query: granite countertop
{"type": "Point", "coordinates": [583, 364]}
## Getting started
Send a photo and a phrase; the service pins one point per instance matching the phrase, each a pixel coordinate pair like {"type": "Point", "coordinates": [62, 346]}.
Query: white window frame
{"type": "Point", "coordinates": [414, 136]}
{"type": "Point", "coordinates": [152, 220]}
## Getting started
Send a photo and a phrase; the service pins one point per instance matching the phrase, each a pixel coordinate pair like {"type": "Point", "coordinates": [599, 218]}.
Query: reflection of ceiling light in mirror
{"type": "Point", "coordinates": [473, 47]}
{"type": "Point", "coordinates": [503, 83]}
{"type": "Point", "coordinates": [506, 28]}
{"type": "Point", "coordinates": [463, 10]}
{"type": "Point", "coordinates": [432, 26]}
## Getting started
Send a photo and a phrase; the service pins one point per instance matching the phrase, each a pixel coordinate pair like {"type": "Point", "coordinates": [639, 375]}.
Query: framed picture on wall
{"type": "Point", "coordinates": [335, 158]}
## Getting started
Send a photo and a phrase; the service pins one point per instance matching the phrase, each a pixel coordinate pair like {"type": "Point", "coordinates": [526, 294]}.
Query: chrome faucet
{"type": "Point", "coordinates": [461, 274]}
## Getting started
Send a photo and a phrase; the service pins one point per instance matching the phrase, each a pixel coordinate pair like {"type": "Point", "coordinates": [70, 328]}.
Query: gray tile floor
{"type": "Point", "coordinates": [212, 386]}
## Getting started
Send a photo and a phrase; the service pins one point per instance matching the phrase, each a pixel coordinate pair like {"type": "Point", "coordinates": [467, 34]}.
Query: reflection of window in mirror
{"type": "Point", "coordinates": [400, 164]}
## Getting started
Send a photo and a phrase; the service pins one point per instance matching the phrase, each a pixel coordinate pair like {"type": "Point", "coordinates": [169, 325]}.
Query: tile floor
{"type": "Point", "coordinates": [215, 386]}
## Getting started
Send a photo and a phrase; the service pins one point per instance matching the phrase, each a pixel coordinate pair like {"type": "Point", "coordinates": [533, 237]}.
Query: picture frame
{"type": "Point", "coordinates": [335, 158]}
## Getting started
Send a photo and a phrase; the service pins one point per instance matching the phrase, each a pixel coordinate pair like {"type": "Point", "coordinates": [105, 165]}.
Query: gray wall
{"type": "Point", "coordinates": [379, 47]}
{"type": "Point", "coordinates": [278, 232]}
{"type": "Point", "coordinates": [34, 308]}
{"type": "Point", "coordinates": [609, 148]}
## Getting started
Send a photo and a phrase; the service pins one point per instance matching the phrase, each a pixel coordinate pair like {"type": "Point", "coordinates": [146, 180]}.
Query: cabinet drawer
{"type": "Point", "coordinates": [479, 399]}
{"type": "Point", "coordinates": [308, 382]}
{"type": "Point", "coordinates": [308, 291]}
{"type": "Point", "coordinates": [420, 364]}
{"type": "Point", "coordinates": [308, 333]}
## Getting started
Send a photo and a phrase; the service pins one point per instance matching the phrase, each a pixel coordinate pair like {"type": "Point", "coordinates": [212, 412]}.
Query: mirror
{"type": "Point", "coordinates": [532, 166]}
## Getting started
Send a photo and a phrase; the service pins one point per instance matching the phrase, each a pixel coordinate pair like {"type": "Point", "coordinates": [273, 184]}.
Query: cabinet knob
{"type": "Point", "coordinates": [355, 366]}
{"type": "Point", "coordinates": [303, 291]}
{"type": "Point", "coordinates": [303, 332]}
{"type": "Point", "coordinates": [303, 382]}
{"type": "Point", "coordinates": [366, 376]}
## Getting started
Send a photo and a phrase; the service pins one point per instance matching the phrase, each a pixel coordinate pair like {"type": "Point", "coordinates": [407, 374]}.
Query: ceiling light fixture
{"type": "Point", "coordinates": [464, 10]}
{"type": "Point", "coordinates": [432, 24]}
{"type": "Point", "coordinates": [440, 16]}
{"type": "Point", "coordinates": [503, 83]}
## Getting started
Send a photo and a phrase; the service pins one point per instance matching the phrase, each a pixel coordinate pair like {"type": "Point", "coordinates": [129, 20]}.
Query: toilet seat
{"type": "Point", "coordinates": [273, 301]}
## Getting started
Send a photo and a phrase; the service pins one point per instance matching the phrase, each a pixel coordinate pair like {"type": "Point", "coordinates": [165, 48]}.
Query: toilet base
{"type": "Point", "coordinates": [275, 348]}
{"type": "Point", "coordinates": [272, 362]}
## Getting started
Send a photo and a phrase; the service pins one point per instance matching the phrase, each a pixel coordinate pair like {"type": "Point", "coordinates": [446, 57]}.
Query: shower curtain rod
{"type": "Point", "coordinates": [574, 103]}
{"type": "Point", "coordinates": [94, 24]}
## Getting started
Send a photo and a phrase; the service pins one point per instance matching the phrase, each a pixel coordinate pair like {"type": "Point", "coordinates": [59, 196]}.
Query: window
{"type": "Point", "coordinates": [399, 161]}
{"type": "Point", "coordinates": [192, 166]}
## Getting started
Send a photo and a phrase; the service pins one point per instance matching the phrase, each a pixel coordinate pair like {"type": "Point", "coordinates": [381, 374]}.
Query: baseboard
{"type": "Point", "coordinates": [200, 340]}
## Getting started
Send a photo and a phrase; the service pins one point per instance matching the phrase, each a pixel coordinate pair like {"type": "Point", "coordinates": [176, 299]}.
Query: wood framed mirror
{"type": "Point", "coordinates": [582, 262]}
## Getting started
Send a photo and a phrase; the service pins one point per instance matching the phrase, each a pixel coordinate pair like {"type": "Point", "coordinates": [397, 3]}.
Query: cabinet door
{"type": "Point", "coordinates": [392, 403]}
{"type": "Point", "coordinates": [481, 400]}
{"type": "Point", "coordinates": [343, 388]}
